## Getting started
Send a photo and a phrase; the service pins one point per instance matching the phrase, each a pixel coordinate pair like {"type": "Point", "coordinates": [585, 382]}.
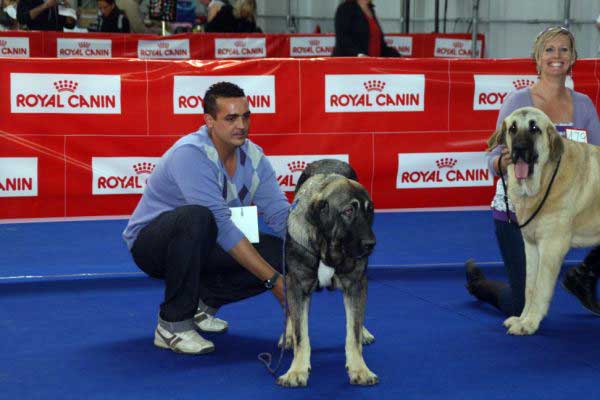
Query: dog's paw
{"type": "Point", "coordinates": [367, 337]}
{"type": "Point", "coordinates": [509, 322]}
{"type": "Point", "coordinates": [522, 327]}
{"type": "Point", "coordinates": [293, 378]}
{"type": "Point", "coordinates": [289, 344]}
{"type": "Point", "coordinates": [362, 376]}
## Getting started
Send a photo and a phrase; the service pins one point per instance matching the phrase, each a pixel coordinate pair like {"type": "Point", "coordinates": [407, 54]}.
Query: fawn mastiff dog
{"type": "Point", "coordinates": [329, 240]}
{"type": "Point", "coordinates": [557, 181]}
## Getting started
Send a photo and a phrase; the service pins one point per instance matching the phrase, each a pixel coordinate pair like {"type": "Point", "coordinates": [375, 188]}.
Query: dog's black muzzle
{"type": "Point", "coordinates": [524, 150]}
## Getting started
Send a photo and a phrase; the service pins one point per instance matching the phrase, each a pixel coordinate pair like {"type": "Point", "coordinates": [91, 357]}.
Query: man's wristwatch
{"type": "Point", "coordinates": [270, 283]}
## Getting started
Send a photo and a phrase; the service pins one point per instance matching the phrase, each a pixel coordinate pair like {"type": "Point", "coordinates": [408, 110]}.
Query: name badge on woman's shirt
{"type": "Point", "coordinates": [576, 135]}
{"type": "Point", "coordinates": [246, 220]}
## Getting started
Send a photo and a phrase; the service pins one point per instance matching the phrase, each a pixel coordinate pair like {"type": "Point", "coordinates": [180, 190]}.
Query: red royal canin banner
{"type": "Point", "coordinates": [79, 137]}
{"type": "Point", "coordinates": [218, 46]}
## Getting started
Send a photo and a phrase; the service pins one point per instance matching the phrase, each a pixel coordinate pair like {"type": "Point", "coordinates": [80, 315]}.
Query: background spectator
{"type": "Point", "coordinates": [357, 31]}
{"type": "Point", "coordinates": [244, 12]}
{"type": "Point", "coordinates": [219, 16]}
{"type": "Point", "coordinates": [43, 16]}
{"type": "Point", "coordinates": [8, 15]}
{"type": "Point", "coordinates": [111, 18]}
{"type": "Point", "coordinates": [137, 22]}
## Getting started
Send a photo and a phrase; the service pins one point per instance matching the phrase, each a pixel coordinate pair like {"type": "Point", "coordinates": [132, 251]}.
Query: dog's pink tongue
{"type": "Point", "coordinates": [521, 169]}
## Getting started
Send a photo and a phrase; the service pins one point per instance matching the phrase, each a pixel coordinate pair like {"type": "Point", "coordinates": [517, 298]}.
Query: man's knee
{"type": "Point", "coordinates": [197, 220]}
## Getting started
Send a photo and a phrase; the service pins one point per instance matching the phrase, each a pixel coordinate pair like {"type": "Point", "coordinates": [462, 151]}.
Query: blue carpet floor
{"type": "Point", "coordinates": [83, 328]}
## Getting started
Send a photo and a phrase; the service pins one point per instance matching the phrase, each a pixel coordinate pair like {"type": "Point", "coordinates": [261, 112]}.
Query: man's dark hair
{"type": "Point", "coordinates": [220, 89]}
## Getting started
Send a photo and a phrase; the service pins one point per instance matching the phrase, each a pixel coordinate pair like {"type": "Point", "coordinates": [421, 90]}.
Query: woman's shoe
{"type": "Point", "coordinates": [474, 276]}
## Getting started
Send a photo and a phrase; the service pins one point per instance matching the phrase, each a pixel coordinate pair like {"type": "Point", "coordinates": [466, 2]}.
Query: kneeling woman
{"type": "Point", "coordinates": [111, 18]}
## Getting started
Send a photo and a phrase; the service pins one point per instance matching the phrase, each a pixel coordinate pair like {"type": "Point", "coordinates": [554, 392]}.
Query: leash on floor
{"type": "Point", "coordinates": [266, 358]}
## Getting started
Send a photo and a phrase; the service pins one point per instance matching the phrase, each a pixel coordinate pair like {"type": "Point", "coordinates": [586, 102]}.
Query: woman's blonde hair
{"type": "Point", "coordinates": [549, 34]}
{"type": "Point", "coordinates": [245, 9]}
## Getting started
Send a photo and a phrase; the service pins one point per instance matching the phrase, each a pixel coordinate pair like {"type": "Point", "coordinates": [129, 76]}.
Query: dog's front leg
{"type": "Point", "coordinates": [551, 255]}
{"type": "Point", "coordinates": [514, 324]}
{"type": "Point", "coordinates": [297, 375]}
{"type": "Point", "coordinates": [355, 297]}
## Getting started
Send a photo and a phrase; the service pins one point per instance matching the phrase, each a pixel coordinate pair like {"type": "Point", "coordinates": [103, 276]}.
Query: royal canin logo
{"type": "Point", "coordinates": [288, 169]}
{"type": "Point", "coordinates": [144, 168]}
{"type": "Point", "coordinates": [66, 86]}
{"type": "Point", "coordinates": [446, 162]}
{"type": "Point", "coordinates": [239, 43]}
{"type": "Point", "coordinates": [432, 170]}
{"type": "Point", "coordinates": [374, 85]}
{"type": "Point", "coordinates": [384, 92]}
{"type": "Point", "coordinates": [314, 42]}
{"type": "Point", "coordinates": [65, 94]}
{"type": "Point", "coordinates": [84, 45]}
{"type": "Point", "coordinates": [163, 45]}
{"type": "Point", "coordinates": [297, 166]}
{"type": "Point", "coordinates": [3, 43]}
{"type": "Point", "coordinates": [121, 175]}
{"type": "Point", "coordinates": [131, 182]}
{"type": "Point", "coordinates": [522, 83]}
{"type": "Point", "coordinates": [290, 179]}
{"type": "Point", "coordinates": [458, 45]}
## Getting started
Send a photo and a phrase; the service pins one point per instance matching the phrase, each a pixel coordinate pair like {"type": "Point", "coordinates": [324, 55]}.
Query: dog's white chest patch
{"type": "Point", "coordinates": [325, 273]}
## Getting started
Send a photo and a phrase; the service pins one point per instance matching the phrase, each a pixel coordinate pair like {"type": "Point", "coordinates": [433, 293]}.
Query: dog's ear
{"type": "Point", "coordinates": [555, 143]}
{"type": "Point", "coordinates": [498, 137]}
{"type": "Point", "coordinates": [318, 212]}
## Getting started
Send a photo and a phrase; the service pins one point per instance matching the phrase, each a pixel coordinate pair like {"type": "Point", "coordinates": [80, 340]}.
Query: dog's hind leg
{"type": "Point", "coordinates": [355, 297]}
{"type": "Point", "coordinates": [298, 373]}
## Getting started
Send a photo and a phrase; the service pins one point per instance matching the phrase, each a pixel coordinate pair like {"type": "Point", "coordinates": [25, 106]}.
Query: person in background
{"type": "Point", "coordinates": [137, 22]}
{"type": "Point", "coordinates": [40, 15]}
{"type": "Point", "coordinates": [554, 54]}
{"type": "Point", "coordinates": [111, 18]}
{"type": "Point", "coordinates": [244, 12]}
{"type": "Point", "coordinates": [358, 33]}
{"type": "Point", "coordinates": [182, 229]}
{"type": "Point", "coordinates": [598, 27]}
{"type": "Point", "coordinates": [219, 16]}
{"type": "Point", "coordinates": [8, 15]}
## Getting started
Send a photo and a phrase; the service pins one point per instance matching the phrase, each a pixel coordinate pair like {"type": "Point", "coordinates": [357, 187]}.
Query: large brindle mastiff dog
{"type": "Point", "coordinates": [329, 240]}
{"type": "Point", "coordinates": [570, 215]}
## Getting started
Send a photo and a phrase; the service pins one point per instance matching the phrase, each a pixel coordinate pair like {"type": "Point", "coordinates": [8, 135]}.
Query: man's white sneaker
{"type": "Point", "coordinates": [187, 342]}
{"type": "Point", "coordinates": [209, 323]}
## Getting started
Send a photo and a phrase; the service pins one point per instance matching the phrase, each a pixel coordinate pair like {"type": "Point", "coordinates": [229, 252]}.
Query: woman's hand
{"type": "Point", "coordinates": [503, 161]}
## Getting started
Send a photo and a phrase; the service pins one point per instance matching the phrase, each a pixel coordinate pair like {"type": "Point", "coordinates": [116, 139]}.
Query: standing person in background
{"type": "Point", "coordinates": [111, 18]}
{"type": "Point", "coordinates": [358, 33]}
{"type": "Point", "coordinates": [244, 12]}
{"type": "Point", "coordinates": [598, 27]}
{"type": "Point", "coordinates": [132, 11]}
{"type": "Point", "coordinates": [219, 16]}
{"type": "Point", "coordinates": [555, 54]}
{"type": "Point", "coordinates": [40, 15]}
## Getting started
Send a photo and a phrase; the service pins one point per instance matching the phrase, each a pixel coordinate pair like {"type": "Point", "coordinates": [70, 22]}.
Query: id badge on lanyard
{"type": "Point", "coordinates": [576, 135]}
{"type": "Point", "coordinates": [246, 220]}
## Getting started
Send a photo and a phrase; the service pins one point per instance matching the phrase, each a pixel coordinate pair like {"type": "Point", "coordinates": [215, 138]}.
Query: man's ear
{"type": "Point", "coordinates": [498, 137]}
{"type": "Point", "coordinates": [555, 143]}
{"type": "Point", "coordinates": [318, 212]}
{"type": "Point", "coordinates": [209, 120]}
